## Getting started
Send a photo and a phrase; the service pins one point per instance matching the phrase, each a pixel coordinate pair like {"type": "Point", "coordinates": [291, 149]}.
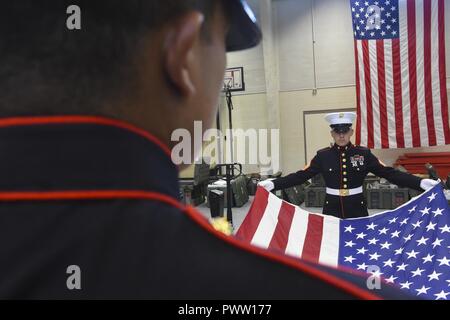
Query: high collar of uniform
{"type": "Point", "coordinates": [82, 153]}
{"type": "Point", "coordinates": [345, 148]}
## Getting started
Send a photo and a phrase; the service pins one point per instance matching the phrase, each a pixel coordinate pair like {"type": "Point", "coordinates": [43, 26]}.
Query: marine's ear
{"type": "Point", "coordinates": [179, 52]}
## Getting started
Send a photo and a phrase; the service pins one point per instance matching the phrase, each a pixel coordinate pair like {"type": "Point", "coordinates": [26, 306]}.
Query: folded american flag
{"type": "Point", "coordinates": [408, 246]}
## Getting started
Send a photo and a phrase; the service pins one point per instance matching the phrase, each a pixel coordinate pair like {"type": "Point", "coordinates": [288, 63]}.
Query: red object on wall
{"type": "Point", "coordinates": [415, 162]}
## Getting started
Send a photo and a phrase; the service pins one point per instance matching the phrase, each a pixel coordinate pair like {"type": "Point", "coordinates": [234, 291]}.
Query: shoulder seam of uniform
{"type": "Point", "coordinates": [197, 218]}
{"type": "Point", "coordinates": [332, 280]}
{"type": "Point", "coordinates": [84, 120]}
{"type": "Point", "coordinates": [90, 195]}
{"type": "Point", "coordinates": [324, 149]}
{"type": "Point", "coordinates": [361, 147]}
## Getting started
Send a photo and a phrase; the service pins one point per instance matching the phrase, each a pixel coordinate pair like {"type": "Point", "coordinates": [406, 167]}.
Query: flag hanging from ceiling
{"type": "Point", "coordinates": [408, 247]}
{"type": "Point", "coordinates": [400, 73]}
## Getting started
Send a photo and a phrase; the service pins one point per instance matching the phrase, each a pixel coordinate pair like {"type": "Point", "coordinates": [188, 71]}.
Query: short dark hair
{"type": "Point", "coordinates": [47, 69]}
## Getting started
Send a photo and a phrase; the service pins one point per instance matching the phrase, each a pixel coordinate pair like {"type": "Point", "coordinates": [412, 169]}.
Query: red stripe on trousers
{"type": "Point", "coordinates": [443, 82]}
{"type": "Point", "coordinates": [281, 235]}
{"type": "Point", "coordinates": [251, 222]}
{"type": "Point", "coordinates": [427, 72]}
{"type": "Point", "coordinates": [382, 94]}
{"type": "Point", "coordinates": [358, 96]}
{"type": "Point", "coordinates": [368, 81]}
{"type": "Point", "coordinates": [398, 101]}
{"type": "Point", "coordinates": [313, 238]}
{"type": "Point", "coordinates": [412, 52]}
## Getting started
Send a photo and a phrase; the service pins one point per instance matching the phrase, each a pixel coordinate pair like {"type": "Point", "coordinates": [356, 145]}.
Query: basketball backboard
{"type": "Point", "coordinates": [234, 79]}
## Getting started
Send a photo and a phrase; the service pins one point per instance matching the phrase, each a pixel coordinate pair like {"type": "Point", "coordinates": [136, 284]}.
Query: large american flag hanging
{"type": "Point", "coordinates": [400, 73]}
{"type": "Point", "coordinates": [408, 247]}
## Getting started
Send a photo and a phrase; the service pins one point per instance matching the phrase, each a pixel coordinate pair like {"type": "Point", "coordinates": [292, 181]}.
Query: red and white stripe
{"type": "Point", "coordinates": [401, 83]}
{"type": "Point", "coordinates": [277, 225]}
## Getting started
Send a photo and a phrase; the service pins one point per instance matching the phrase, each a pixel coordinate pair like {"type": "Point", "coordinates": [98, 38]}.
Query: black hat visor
{"type": "Point", "coordinates": [244, 32]}
{"type": "Point", "coordinates": [341, 128]}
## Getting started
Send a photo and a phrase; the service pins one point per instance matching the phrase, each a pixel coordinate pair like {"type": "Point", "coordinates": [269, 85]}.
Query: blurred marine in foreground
{"type": "Point", "coordinates": [88, 191]}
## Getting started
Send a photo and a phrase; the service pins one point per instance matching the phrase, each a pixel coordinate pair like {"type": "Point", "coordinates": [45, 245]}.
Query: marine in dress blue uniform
{"type": "Point", "coordinates": [344, 168]}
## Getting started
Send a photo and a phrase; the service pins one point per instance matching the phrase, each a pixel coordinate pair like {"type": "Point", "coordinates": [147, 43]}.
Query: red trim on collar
{"type": "Point", "coordinates": [348, 146]}
{"type": "Point", "coordinates": [45, 120]}
{"type": "Point", "coordinates": [89, 195]}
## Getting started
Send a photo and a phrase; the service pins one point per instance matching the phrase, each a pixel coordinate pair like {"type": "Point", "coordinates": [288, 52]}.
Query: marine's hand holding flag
{"type": "Point", "coordinates": [267, 184]}
{"type": "Point", "coordinates": [426, 184]}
